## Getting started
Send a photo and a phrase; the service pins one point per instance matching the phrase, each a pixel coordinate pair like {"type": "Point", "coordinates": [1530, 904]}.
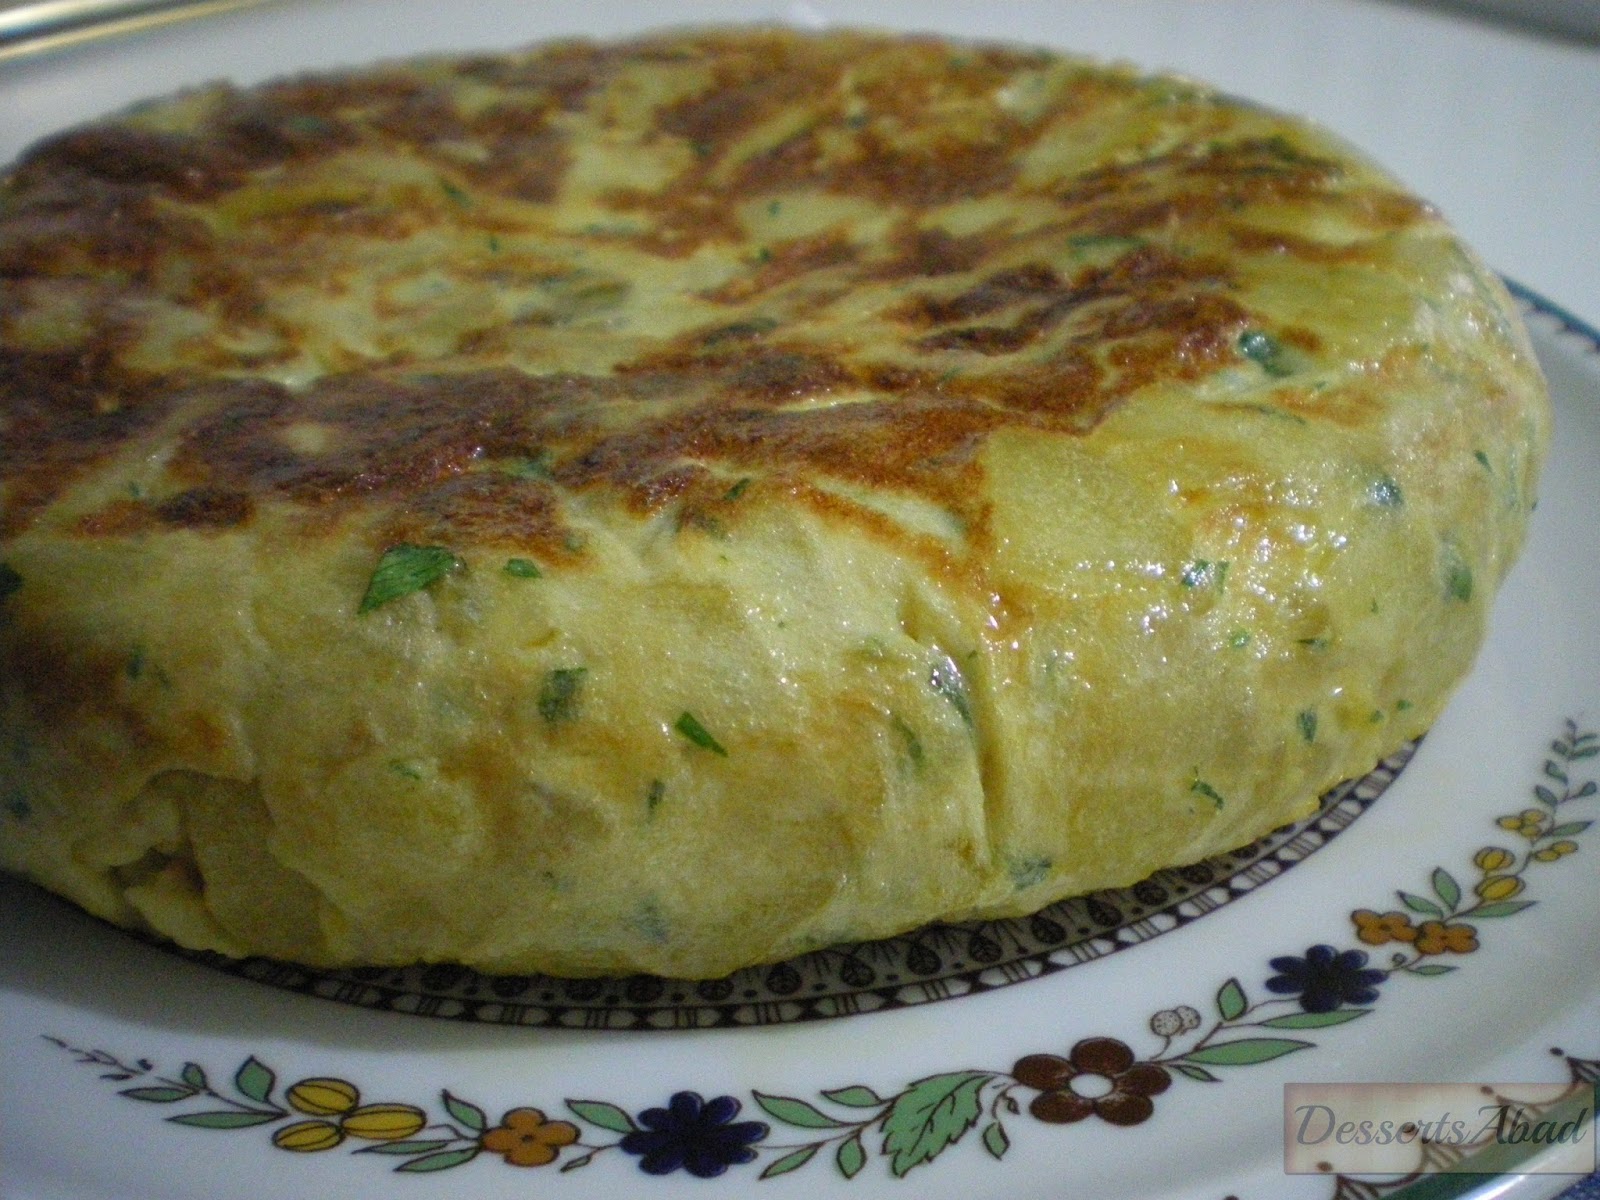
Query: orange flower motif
{"type": "Point", "coordinates": [1435, 937]}
{"type": "Point", "coordinates": [526, 1139]}
{"type": "Point", "coordinates": [1375, 929]}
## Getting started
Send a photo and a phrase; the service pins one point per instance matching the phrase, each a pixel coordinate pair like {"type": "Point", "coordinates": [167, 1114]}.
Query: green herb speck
{"type": "Point", "coordinates": [136, 662]}
{"type": "Point", "coordinates": [1483, 460]}
{"type": "Point", "coordinates": [1457, 575]}
{"type": "Point", "coordinates": [1201, 788]}
{"type": "Point", "coordinates": [649, 923]}
{"type": "Point", "coordinates": [455, 192]}
{"type": "Point", "coordinates": [522, 568]}
{"type": "Point", "coordinates": [1402, 706]}
{"type": "Point", "coordinates": [1202, 572]}
{"type": "Point", "coordinates": [1265, 351]}
{"type": "Point", "coordinates": [1239, 638]}
{"type": "Point", "coordinates": [558, 696]}
{"type": "Point", "coordinates": [1308, 725]}
{"type": "Point", "coordinates": [689, 726]}
{"type": "Point", "coordinates": [405, 768]}
{"type": "Point", "coordinates": [737, 489]}
{"type": "Point", "coordinates": [654, 797]}
{"type": "Point", "coordinates": [910, 742]}
{"type": "Point", "coordinates": [10, 581]}
{"type": "Point", "coordinates": [404, 569]}
{"type": "Point", "coordinates": [1385, 492]}
{"type": "Point", "coordinates": [1028, 871]}
{"type": "Point", "coordinates": [494, 244]}
{"type": "Point", "coordinates": [535, 467]}
{"type": "Point", "coordinates": [947, 680]}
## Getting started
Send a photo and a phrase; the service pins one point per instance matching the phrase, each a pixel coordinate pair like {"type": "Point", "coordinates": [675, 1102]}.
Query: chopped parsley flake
{"type": "Point", "coordinates": [10, 581]}
{"type": "Point", "coordinates": [737, 489]}
{"type": "Point", "coordinates": [654, 797]}
{"type": "Point", "coordinates": [455, 192]}
{"type": "Point", "coordinates": [522, 568]}
{"type": "Point", "coordinates": [1308, 725]}
{"type": "Point", "coordinates": [689, 726]}
{"type": "Point", "coordinates": [1239, 638]}
{"type": "Point", "coordinates": [558, 697]}
{"type": "Point", "coordinates": [1201, 788]}
{"type": "Point", "coordinates": [1265, 351]}
{"type": "Point", "coordinates": [405, 768]}
{"type": "Point", "coordinates": [1483, 460]}
{"type": "Point", "coordinates": [404, 569]}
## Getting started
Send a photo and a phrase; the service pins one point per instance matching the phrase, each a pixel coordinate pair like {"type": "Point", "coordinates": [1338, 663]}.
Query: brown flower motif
{"type": "Point", "coordinates": [1098, 1078]}
{"type": "Point", "coordinates": [526, 1139]}
{"type": "Point", "coordinates": [1375, 929]}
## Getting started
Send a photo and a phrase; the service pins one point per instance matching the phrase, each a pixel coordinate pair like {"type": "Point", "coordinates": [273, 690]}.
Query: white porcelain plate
{"type": "Point", "coordinates": [1451, 933]}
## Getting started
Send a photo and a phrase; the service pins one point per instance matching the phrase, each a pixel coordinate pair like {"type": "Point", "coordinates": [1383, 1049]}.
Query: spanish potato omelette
{"type": "Point", "coordinates": [672, 504]}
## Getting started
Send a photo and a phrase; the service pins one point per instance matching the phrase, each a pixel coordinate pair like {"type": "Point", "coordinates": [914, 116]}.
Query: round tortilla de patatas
{"type": "Point", "coordinates": [669, 505]}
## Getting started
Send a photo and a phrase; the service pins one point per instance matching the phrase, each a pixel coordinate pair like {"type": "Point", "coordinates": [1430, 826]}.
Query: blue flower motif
{"type": "Point", "coordinates": [1326, 978]}
{"type": "Point", "coordinates": [691, 1133]}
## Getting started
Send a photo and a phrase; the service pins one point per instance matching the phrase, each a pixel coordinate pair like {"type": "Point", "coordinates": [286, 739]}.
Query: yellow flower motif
{"type": "Point", "coordinates": [1530, 823]}
{"type": "Point", "coordinates": [1556, 850]}
{"type": "Point", "coordinates": [307, 1137]}
{"type": "Point", "coordinates": [1499, 887]}
{"type": "Point", "coordinates": [1493, 858]}
{"type": "Point", "coordinates": [1376, 929]}
{"type": "Point", "coordinates": [1436, 937]}
{"type": "Point", "coordinates": [384, 1122]}
{"type": "Point", "coordinates": [323, 1097]}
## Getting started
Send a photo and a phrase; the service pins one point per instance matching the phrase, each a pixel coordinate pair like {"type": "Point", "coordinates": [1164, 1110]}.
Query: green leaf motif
{"type": "Point", "coordinates": [255, 1080]}
{"type": "Point", "coordinates": [606, 1116]}
{"type": "Point", "coordinates": [1446, 888]}
{"type": "Point", "coordinates": [1418, 904]}
{"type": "Point", "coordinates": [404, 569]}
{"type": "Point", "coordinates": [1245, 1052]}
{"type": "Point", "coordinates": [469, 1115]}
{"type": "Point", "coordinates": [1503, 908]}
{"type": "Point", "coordinates": [157, 1095]}
{"type": "Point", "coordinates": [225, 1120]}
{"type": "Point", "coordinates": [1311, 1020]}
{"type": "Point", "coordinates": [194, 1075]}
{"type": "Point", "coordinates": [931, 1115]}
{"type": "Point", "coordinates": [1199, 1074]}
{"type": "Point", "coordinates": [791, 1162]}
{"type": "Point", "coordinates": [1231, 1001]}
{"type": "Point", "coordinates": [1546, 796]}
{"type": "Point", "coordinates": [1432, 969]}
{"type": "Point", "coordinates": [406, 1148]}
{"type": "Point", "coordinates": [1570, 829]}
{"type": "Point", "coordinates": [852, 1157]}
{"type": "Point", "coordinates": [439, 1162]}
{"type": "Point", "coordinates": [855, 1097]}
{"type": "Point", "coordinates": [796, 1112]}
{"type": "Point", "coordinates": [995, 1140]}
